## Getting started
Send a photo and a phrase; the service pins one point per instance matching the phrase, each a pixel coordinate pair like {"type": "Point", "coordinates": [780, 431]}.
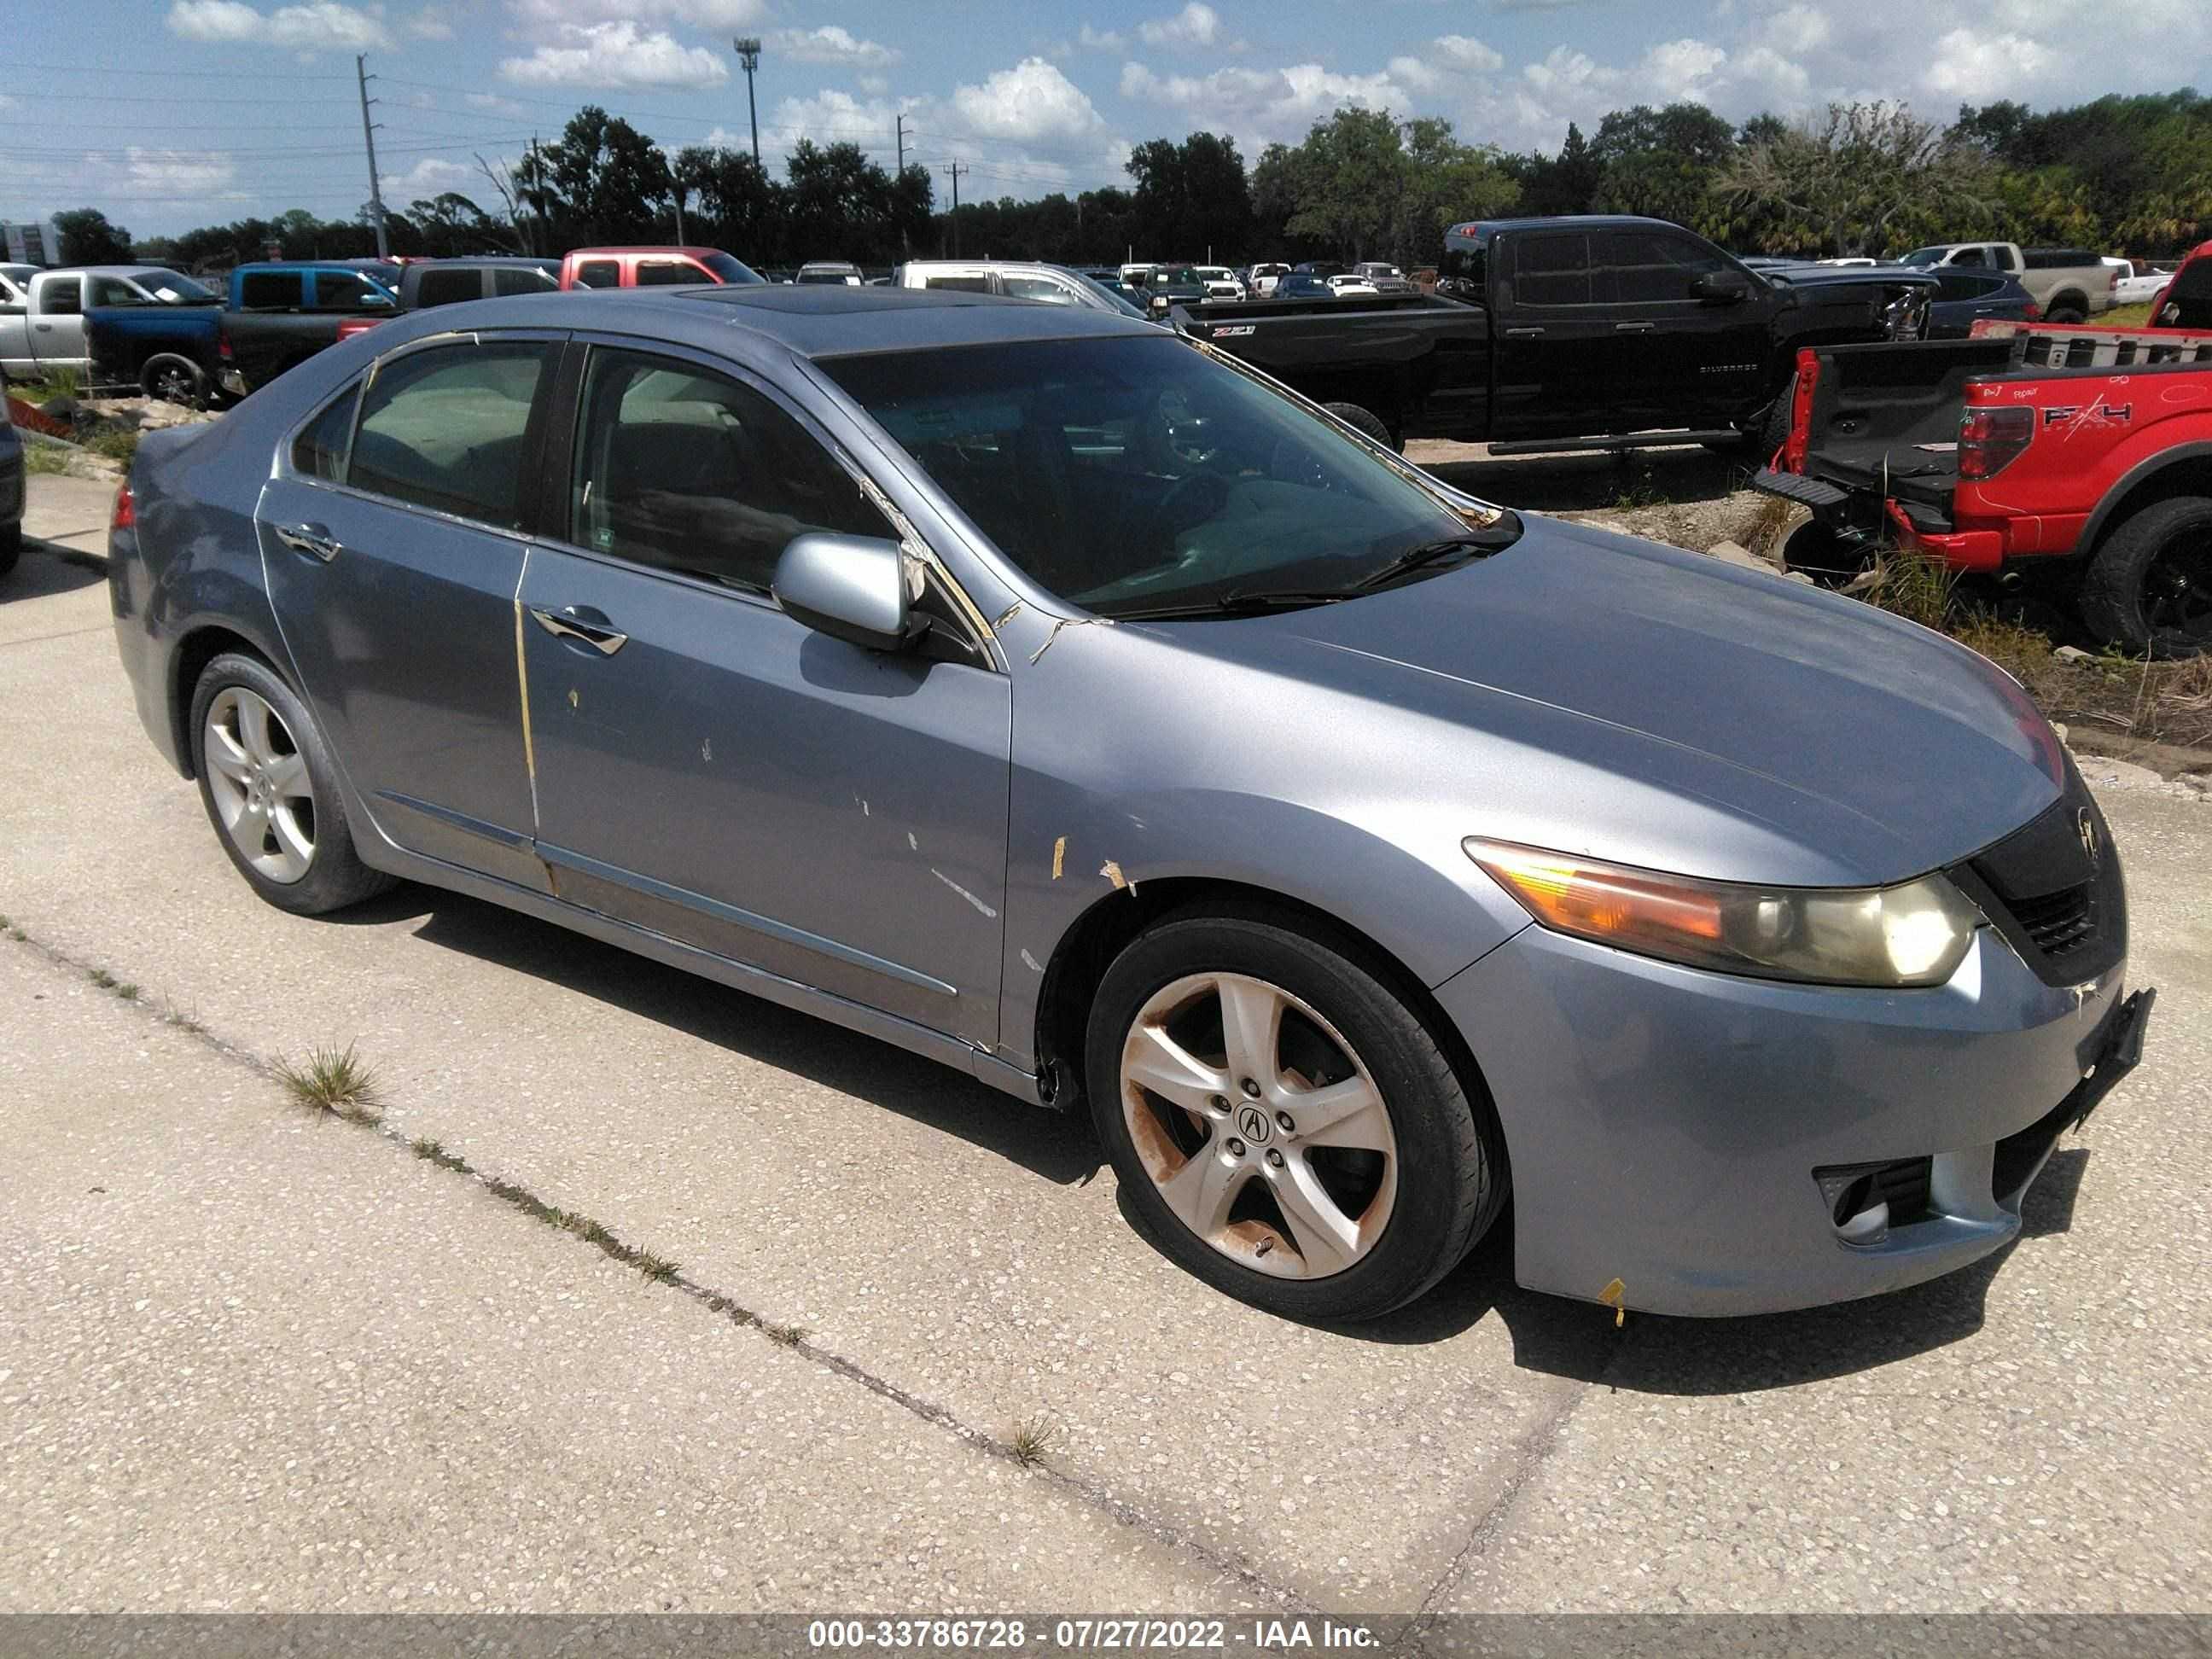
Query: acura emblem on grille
{"type": "Point", "coordinates": [2088, 827]}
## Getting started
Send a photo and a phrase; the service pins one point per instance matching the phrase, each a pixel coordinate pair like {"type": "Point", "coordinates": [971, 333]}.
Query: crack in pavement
{"type": "Point", "coordinates": [1091, 1496]}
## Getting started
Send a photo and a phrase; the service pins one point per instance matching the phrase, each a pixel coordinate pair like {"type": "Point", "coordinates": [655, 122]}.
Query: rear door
{"type": "Point", "coordinates": [1681, 362]}
{"type": "Point", "coordinates": [715, 771]}
{"type": "Point", "coordinates": [1554, 343]}
{"type": "Point", "coordinates": [58, 320]}
{"type": "Point", "coordinates": [393, 535]}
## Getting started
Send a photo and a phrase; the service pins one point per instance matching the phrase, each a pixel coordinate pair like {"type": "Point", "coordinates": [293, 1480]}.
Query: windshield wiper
{"type": "Point", "coordinates": [1242, 602]}
{"type": "Point", "coordinates": [1491, 540]}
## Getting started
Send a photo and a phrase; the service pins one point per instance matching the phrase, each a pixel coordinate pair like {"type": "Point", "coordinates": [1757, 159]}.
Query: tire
{"type": "Point", "coordinates": [1415, 1178]}
{"type": "Point", "coordinates": [2066, 312]}
{"type": "Point", "coordinates": [1369, 422]}
{"type": "Point", "coordinates": [1817, 551]}
{"type": "Point", "coordinates": [174, 380]}
{"type": "Point", "coordinates": [2149, 587]}
{"type": "Point", "coordinates": [261, 793]}
{"type": "Point", "coordinates": [11, 547]}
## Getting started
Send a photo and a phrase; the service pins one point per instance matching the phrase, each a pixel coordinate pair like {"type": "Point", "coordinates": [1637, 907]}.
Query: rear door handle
{"type": "Point", "coordinates": [570, 624]}
{"type": "Point", "coordinates": [1522, 333]}
{"type": "Point", "coordinates": [309, 538]}
{"type": "Point", "coordinates": [1633, 328]}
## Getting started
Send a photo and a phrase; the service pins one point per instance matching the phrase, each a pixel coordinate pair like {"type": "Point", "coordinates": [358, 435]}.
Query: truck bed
{"type": "Point", "coordinates": [1885, 417]}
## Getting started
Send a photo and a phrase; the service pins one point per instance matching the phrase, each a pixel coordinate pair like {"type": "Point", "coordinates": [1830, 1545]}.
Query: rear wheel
{"type": "Point", "coordinates": [269, 789]}
{"type": "Point", "coordinates": [2066, 311]}
{"type": "Point", "coordinates": [1368, 421]}
{"type": "Point", "coordinates": [2148, 587]}
{"type": "Point", "coordinates": [1285, 1126]}
{"type": "Point", "coordinates": [174, 380]}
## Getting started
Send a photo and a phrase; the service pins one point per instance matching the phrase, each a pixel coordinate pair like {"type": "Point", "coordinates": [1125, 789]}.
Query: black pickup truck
{"type": "Point", "coordinates": [1591, 332]}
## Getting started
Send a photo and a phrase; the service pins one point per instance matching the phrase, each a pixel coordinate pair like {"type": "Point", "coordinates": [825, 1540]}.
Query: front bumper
{"type": "Point", "coordinates": [1718, 1143]}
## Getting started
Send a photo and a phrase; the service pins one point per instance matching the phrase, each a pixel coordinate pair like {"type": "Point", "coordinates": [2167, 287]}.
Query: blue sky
{"type": "Point", "coordinates": [170, 113]}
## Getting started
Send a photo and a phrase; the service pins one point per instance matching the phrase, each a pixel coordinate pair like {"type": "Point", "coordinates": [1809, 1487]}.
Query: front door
{"type": "Point", "coordinates": [393, 546]}
{"type": "Point", "coordinates": [1682, 361]}
{"type": "Point", "coordinates": [715, 771]}
{"type": "Point", "coordinates": [1556, 353]}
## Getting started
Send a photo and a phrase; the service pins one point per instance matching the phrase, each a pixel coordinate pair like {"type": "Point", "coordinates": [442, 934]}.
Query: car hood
{"type": "Point", "coordinates": [1868, 277]}
{"type": "Point", "coordinates": [1615, 698]}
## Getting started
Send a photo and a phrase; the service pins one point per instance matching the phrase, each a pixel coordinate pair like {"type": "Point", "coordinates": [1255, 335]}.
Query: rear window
{"type": "Point", "coordinates": [1464, 271]}
{"type": "Point", "coordinates": [445, 287]}
{"type": "Point", "coordinates": [507, 280]}
{"type": "Point", "coordinates": [270, 290]}
{"type": "Point", "coordinates": [1552, 271]}
{"type": "Point", "coordinates": [444, 430]}
{"type": "Point", "coordinates": [728, 270]}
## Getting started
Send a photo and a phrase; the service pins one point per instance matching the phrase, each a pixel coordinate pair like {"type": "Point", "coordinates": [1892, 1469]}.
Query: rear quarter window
{"type": "Point", "coordinates": [445, 287]}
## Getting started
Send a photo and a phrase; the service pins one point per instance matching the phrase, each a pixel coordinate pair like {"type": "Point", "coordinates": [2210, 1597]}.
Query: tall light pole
{"type": "Point", "coordinates": [748, 50]}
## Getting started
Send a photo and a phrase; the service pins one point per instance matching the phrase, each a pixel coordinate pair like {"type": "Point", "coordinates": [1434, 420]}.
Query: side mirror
{"type": "Point", "coordinates": [1720, 287]}
{"type": "Point", "coordinates": [850, 587]}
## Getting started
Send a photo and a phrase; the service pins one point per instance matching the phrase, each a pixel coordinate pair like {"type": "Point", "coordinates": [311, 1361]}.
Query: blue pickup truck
{"type": "Point", "coordinates": [275, 315]}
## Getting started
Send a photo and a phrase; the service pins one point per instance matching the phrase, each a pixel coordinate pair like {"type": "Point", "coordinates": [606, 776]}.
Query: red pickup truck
{"type": "Point", "coordinates": [2083, 451]}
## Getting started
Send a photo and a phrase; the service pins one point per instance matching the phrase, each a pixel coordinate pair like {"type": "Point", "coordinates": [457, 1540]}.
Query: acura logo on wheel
{"type": "Point", "coordinates": [1252, 1123]}
{"type": "Point", "coordinates": [2087, 826]}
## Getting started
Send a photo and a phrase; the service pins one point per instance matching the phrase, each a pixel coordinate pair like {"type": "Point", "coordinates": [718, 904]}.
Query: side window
{"type": "Point", "coordinates": [114, 291]}
{"type": "Point", "coordinates": [669, 273]}
{"type": "Point", "coordinates": [319, 451]}
{"type": "Point", "coordinates": [506, 281]}
{"type": "Point", "coordinates": [270, 290]}
{"type": "Point", "coordinates": [976, 284]}
{"type": "Point", "coordinates": [444, 429]}
{"type": "Point", "coordinates": [683, 469]}
{"type": "Point", "coordinates": [598, 273]}
{"type": "Point", "coordinates": [341, 291]}
{"type": "Point", "coordinates": [1968, 256]}
{"type": "Point", "coordinates": [448, 286]}
{"type": "Point", "coordinates": [1643, 267]}
{"type": "Point", "coordinates": [1038, 288]}
{"type": "Point", "coordinates": [1553, 270]}
{"type": "Point", "coordinates": [1465, 268]}
{"type": "Point", "coordinates": [63, 298]}
{"type": "Point", "coordinates": [2005, 261]}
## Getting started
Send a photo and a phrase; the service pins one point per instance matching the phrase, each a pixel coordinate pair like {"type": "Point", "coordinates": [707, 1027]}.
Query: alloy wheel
{"type": "Point", "coordinates": [263, 792]}
{"type": "Point", "coordinates": [1260, 1126]}
{"type": "Point", "coordinates": [2177, 593]}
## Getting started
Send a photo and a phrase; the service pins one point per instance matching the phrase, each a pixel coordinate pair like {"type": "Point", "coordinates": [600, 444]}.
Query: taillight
{"type": "Point", "coordinates": [126, 516]}
{"type": "Point", "coordinates": [222, 345]}
{"type": "Point", "coordinates": [1801, 410]}
{"type": "Point", "coordinates": [1991, 440]}
{"type": "Point", "coordinates": [2032, 313]}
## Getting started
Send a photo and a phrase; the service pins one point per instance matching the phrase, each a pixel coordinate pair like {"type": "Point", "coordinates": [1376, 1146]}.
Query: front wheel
{"type": "Point", "coordinates": [1285, 1126]}
{"type": "Point", "coordinates": [2148, 587]}
{"type": "Point", "coordinates": [271, 793]}
{"type": "Point", "coordinates": [1369, 422]}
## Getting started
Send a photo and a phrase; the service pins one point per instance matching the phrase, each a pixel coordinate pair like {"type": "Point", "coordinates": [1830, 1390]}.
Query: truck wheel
{"type": "Point", "coordinates": [2148, 588]}
{"type": "Point", "coordinates": [2066, 310]}
{"type": "Point", "coordinates": [174, 380]}
{"type": "Point", "coordinates": [1367, 422]}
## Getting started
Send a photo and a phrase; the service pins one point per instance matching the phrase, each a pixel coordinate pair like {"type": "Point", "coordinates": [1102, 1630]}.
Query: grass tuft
{"type": "Point", "coordinates": [117, 443]}
{"type": "Point", "coordinates": [1034, 1439]}
{"type": "Point", "coordinates": [1909, 586]}
{"type": "Point", "coordinates": [784, 1336]}
{"type": "Point", "coordinates": [128, 992]}
{"type": "Point", "coordinates": [44, 460]}
{"type": "Point", "coordinates": [659, 1268]}
{"type": "Point", "coordinates": [334, 1080]}
{"type": "Point", "coordinates": [103, 978]}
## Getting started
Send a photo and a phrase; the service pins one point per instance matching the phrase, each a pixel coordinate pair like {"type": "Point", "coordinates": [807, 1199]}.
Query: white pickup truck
{"type": "Point", "coordinates": [2070, 283]}
{"type": "Point", "coordinates": [42, 312]}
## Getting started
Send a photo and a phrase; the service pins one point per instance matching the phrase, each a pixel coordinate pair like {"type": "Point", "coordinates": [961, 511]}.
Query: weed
{"type": "Point", "coordinates": [103, 978]}
{"type": "Point", "coordinates": [127, 991]}
{"type": "Point", "coordinates": [432, 1152]}
{"type": "Point", "coordinates": [1912, 586]}
{"type": "Point", "coordinates": [659, 1268]}
{"type": "Point", "coordinates": [1034, 1439]}
{"type": "Point", "coordinates": [785, 1336]}
{"type": "Point", "coordinates": [1641, 491]}
{"type": "Point", "coordinates": [1762, 533]}
{"type": "Point", "coordinates": [44, 460]}
{"type": "Point", "coordinates": [117, 443]}
{"type": "Point", "coordinates": [334, 1080]}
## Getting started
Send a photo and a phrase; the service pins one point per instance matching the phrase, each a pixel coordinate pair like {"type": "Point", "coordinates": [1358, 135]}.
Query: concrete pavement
{"type": "Point", "coordinates": [2027, 1434]}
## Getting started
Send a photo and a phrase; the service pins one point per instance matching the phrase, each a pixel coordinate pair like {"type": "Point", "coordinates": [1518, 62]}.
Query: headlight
{"type": "Point", "coordinates": [1911, 934]}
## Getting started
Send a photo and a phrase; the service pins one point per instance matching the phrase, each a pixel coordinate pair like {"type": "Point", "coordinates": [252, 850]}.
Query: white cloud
{"type": "Point", "coordinates": [427, 178]}
{"type": "Point", "coordinates": [430, 24]}
{"type": "Point", "coordinates": [1680, 68]}
{"type": "Point", "coordinates": [1092, 40]}
{"type": "Point", "coordinates": [1415, 73]}
{"type": "Point", "coordinates": [1031, 100]}
{"type": "Point", "coordinates": [496, 104]}
{"type": "Point", "coordinates": [172, 172]}
{"type": "Point", "coordinates": [1798, 28]}
{"type": "Point", "coordinates": [615, 54]}
{"type": "Point", "coordinates": [828, 118]}
{"type": "Point", "coordinates": [554, 14]}
{"type": "Point", "coordinates": [830, 45]}
{"type": "Point", "coordinates": [1259, 106]}
{"type": "Point", "coordinates": [320, 26]}
{"type": "Point", "coordinates": [877, 85]}
{"type": "Point", "coordinates": [1464, 52]}
{"type": "Point", "coordinates": [1196, 25]}
{"type": "Point", "coordinates": [1971, 64]}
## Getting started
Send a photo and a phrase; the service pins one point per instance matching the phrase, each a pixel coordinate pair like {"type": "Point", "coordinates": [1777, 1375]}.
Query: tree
{"type": "Point", "coordinates": [1565, 183]}
{"type": "Point", "coordinates": [1364, 185]}
{"type": "Point", "coordinates": [89, 240]}
{"type": "Point", "coordinates": [1661, 162]}
{"type": "Point", "coordinates": [1191, 197]}
{"type": "Point", "coordinates": [601, 181]}
{"type": "Point", "coordinates": [1842, 180]}
{"type": "Point", "coordinates": [451, 225]}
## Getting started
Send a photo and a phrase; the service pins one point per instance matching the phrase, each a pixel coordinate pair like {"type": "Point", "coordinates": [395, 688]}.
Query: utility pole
{"type": "Point", "coordinates": [368, 137]}
{"type": "Point", "coordinates": [955, 170]}
{"type": "Point", "coordinates": [748, 48]}
{"type": "Point", "coordinates": [901, 173]}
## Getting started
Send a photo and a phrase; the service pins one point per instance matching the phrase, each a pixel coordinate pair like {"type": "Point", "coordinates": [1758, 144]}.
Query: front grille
{"type": "Point", "coordinates": [1853, 1188]}
{"type": "Point", "coordinates": [2053, 888]}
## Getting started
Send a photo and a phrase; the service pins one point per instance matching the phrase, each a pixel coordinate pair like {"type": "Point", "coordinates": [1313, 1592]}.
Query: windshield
{"type": "Point", "coordinates": [1924, 256]}
{"type": "Point", "coordinates": [1130, 475]}
{"type": "Point", "coordinates": [732, 271]}
{"type": "Point", "coordinates": [172, 288]}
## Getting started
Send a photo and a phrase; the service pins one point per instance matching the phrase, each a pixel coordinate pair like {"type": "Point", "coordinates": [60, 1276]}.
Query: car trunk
{"type": "Point", "coordinates": [1885, 417]}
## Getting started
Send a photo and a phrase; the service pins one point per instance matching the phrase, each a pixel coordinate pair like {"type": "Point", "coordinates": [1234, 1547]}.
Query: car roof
{"type": "Point", "coordinates": [1562, 220]}
{"type": "Point", "coordinates": [640, 247]}
{"type": "Point", "coordinates": [108, 270]}
{"type": "Point", "coordinates": [814, 322]}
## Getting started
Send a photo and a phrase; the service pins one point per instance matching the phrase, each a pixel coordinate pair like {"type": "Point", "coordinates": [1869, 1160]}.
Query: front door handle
{"type": "Point", "coordinates": [309, 538]}
{"type": "Point", "coordinates": [1522, 333]}
{"type": "Point", "coordinates": [1633, 328]}
{"type": "Point", "coordinates": [571, 624]}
